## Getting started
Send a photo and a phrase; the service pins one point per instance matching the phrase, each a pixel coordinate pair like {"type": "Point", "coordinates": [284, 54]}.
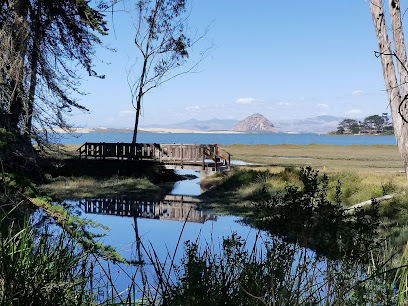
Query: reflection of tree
{"type": "Point", "coordinates": [139, 255]}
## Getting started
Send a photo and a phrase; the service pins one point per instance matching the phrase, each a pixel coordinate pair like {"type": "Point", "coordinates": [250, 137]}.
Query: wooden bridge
{"type": "Point", "coordinates": [172, 207]}
{"type": "Point", "coordinates": [173, 156]}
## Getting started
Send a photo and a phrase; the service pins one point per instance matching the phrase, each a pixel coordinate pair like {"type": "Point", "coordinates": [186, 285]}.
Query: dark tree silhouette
{"type": "Point", "coordinates": [43, 45]}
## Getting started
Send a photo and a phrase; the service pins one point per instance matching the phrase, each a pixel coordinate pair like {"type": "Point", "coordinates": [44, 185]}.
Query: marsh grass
{"type": "Point", "coordinates": [235, 192]}
{"type": "Point", "coordinates": [39, 266]}
{"type": "Point", "coordinates": [361, 158]}
{"type": "Point", "coordinates": [41, 270]}
{"type": "Point", "coordinates": [273, 273]}
{"type": "Point", "coordinates": [84, 187]}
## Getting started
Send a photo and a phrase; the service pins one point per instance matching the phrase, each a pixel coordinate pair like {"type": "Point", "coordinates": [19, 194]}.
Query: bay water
{"type": "Point", "coordinates": [229, 139]}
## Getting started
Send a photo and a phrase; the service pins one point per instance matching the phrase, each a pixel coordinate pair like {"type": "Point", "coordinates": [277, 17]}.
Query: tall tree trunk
{"type": "Point", "coordinates": [36, 20]}
{"type": "Point", "coordinates": [138, 105]}
{"type": "Point", "coordinates": [390, 77]}
{"type": "Point", "coordinates": [143, 76]}
{"type": "Point", "coordinates": [19, 37]}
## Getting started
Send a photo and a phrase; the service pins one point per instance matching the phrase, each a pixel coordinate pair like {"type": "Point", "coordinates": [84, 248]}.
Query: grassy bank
{"type": "Point", "coordinates": [234, 193]}
{"type": "Point", "coordinates": [71, 178]}
{"type": "Point", "coordinates": [87, 187]}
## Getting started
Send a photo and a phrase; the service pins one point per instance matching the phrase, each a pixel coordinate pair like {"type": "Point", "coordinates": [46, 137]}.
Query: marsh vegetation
{"type": "Point", "coordinates": [310, 247]}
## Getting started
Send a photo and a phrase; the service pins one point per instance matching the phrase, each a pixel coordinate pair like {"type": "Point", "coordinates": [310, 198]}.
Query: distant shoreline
{"type": "Point", "coordinates": [141, 130]}
{"type": "Point", "coordinates": [187, 131]}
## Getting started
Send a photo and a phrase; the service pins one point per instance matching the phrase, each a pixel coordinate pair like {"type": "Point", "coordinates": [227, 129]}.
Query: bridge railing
{"type": "Point", "coordinates": [177, 154]}
{"type": "Point", "coordinates": [120, 150]}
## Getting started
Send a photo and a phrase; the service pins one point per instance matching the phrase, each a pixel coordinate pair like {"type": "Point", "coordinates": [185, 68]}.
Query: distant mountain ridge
{"type": "Point", "coordinates": [255, 123]}
{"type": "Point", "coordinates": [320, 124]}
{"type": "Point", "coordinates": [200, 125]}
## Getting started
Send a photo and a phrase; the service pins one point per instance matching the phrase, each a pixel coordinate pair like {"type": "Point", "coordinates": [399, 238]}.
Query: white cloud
{"type": "Point", "coordinates": [193, 108]}
{"type": "Point", "coordinates": [321, 105]}
{"type": "Point", "coordinates": [357, 92]}
{"type": "Point", "coordinates": [126, 113]}
{"type": "Point", "coordinates": [283, 103]}
{"type": "Point", "coordinates": [245, 100]}
{"type": "Point", "coordinates": [353, 112]}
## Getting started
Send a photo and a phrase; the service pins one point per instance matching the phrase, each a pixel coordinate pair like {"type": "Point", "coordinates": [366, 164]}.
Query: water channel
{"type": "Point", "coordinates": [159, 224]}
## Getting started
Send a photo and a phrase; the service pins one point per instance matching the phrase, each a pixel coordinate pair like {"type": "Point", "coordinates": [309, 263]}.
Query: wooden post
{"type": "Point", "coordinates": [181, 155]}
{"type": "Point", "coordinates": [203, 150]}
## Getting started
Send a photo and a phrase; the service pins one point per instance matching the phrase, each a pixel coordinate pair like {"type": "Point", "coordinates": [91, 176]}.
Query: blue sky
{"type": "Point", "coordinates": [284, 59]}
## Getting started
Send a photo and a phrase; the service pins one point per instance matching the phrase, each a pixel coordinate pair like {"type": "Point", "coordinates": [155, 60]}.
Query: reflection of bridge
{"type": "Point", "coordinates": [207, 157]}
{"type": "Point", "coordinates": [172, 207]}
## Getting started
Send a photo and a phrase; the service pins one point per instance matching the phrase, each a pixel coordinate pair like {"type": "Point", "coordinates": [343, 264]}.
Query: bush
{"type": "Point", "coordinates": [304, 215]}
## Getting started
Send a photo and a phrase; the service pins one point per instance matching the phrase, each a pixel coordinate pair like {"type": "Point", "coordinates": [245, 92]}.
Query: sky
{"type": "Point", "coordinates": [284, 59]}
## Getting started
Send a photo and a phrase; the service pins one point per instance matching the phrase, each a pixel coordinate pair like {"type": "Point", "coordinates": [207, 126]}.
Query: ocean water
{"type": "Point", "coordinates": [228, 139]}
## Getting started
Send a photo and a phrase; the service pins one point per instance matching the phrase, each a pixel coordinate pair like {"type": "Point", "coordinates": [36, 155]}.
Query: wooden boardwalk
{"type": "Point", "coordinates": [173, 156]}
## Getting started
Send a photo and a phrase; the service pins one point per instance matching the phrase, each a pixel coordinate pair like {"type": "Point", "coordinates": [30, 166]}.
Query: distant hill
{"type": "Point", "coordinates": [256, 123]}
{"type": "Point", "coordinates": [200, 125]}
{"type": "Point", "coordinates": [319, 124]}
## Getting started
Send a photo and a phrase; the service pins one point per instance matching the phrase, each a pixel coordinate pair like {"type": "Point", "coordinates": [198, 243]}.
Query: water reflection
{"type": "Point", "coordinates": [171, 207]}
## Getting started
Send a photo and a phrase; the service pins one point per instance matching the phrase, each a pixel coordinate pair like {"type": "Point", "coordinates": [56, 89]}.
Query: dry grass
{"type": "Point", "coordinates": [361, 158]}
{"type": "Point", "coordinates": [83, 187]}
{"type": "Point", "coordinates": [60, 151]}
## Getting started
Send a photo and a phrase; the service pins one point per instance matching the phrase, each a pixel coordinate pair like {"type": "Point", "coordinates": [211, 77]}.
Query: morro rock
{"type": "Point", "coordinates": [255, 123]}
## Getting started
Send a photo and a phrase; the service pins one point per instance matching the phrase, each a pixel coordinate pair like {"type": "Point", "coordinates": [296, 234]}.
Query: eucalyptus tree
{"type": "Point", "coordinates": [397, 87]}
{"type": "Point", "coordinates": [162, 46]}
{"type": "Point", "coordinates": [44, 45]}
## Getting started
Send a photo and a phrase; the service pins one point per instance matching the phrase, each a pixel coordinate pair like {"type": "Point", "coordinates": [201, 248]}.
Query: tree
{"type": "Point", "coordinates": [386, 119]}
{"type": "Point", "coordinates": [348, 125]}
{"type": "Point", "coordinates": [397, 92]}
{"type": "Point", "coordinates": [39, 40]}
{"type": "Point", "coordinates": [374, 122]}
{"type": "Point", "coordinates": [163, 47]}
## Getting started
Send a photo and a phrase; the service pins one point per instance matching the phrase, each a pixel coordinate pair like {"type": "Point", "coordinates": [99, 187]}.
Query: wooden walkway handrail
{"type": "Point", "coordinates": [204, 155]}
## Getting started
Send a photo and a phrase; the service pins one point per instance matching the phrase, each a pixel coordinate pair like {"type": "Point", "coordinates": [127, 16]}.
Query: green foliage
{"type": "Point", "coordinates": [43, 46]}
{"type": "Point", "coordinates": [305, 216]}
{"type": "Point", "coordinates": [242, 178]}
{"type": "Point", "coordinates": [349, 125]}
{"type": "Point", "coordinates": [6, 138]}
{"type": "Point", "coordinates": [371, 124]}
{"type": "Point", "coordinates": [316, 253]}
{"type": "Point", "coordinates": [42, 270]}
{"type": "Point", "coordinates": [274, 273]}
{"type": "Point", "coordinates": [401, 278]}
